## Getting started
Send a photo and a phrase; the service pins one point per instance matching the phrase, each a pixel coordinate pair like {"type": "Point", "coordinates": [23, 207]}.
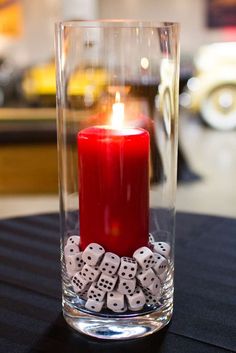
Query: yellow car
{"type": "Point", "coordinates": [84, 86]}
{"type": "Point", "coordinates": [212, 91]}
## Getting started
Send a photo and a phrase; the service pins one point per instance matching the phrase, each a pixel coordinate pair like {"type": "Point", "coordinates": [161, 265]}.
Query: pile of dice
{"type": "Point", "coordinates": [104, 280]}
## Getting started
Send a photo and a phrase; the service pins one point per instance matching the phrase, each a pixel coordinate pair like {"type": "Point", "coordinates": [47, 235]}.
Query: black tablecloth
{"type": "Point", "coordinates": [205, 291]}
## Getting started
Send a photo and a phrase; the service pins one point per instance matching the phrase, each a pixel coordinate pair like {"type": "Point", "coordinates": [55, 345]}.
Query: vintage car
{"type": "Point", "coordinates": [84, 87]}
{"type": "Point", "coordinates": [212, 90]}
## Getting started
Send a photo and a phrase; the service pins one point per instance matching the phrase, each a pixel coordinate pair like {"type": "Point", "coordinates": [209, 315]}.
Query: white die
{"type": "Point", "coordinates": [151, 238]}
{"type": "Point", "coordinates": [74, 263]}
{"type": "Point", "coordinates": [110, 263]}
{"type": "Point", "coordinates": [90, 273]}
{"type": "Point", "coordinates": [79, 284]}
{"type": "Point", "coordinates": [162, 276]}
{"type": "Point", "coordinates": [70, 273]}
{"type": "Point", "coordinates": [122, 310]}
{"type": "Point", "coordinates": [95, 293]}
{"type": "Point", "coordinates": [151, 299]}
{"type": "Point", "coordinates": [145, 258]}
{"type": "Point", "coordinates": [146, 277]}
{"type": "Point", "coordinates": [115, 300]}
{"type": "Point", "coordinates": [92, 254]}
{"type": "Point", "coordinates": [138, 308]}
{"type": "Point", "coordinates": [126, 286]}
{"type": "Point", "coordinates": [71, 249]}
{"type": "Point", "coordinates": [161, 248]}
{"type": "Point", "coordinates": [136, 300]}
{"type": "Point", "coordinates": [84, 294]}
{"type": "Point", "coordinates": [155, 287]}
{"type": "Point", "coordinates": [93, 305]}
{"type": "Point", "coordinates": [107, 283]}
{"type": "Point", "coordinates": [128, 268]}
{"type": "Point", "coordinates": [73, 239]}
{"type": "Point", "coordinates": [160, 265]}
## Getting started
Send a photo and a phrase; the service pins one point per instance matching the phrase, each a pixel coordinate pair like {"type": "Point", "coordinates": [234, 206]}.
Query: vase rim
{"type": "Point", "coordinates": [118, 23]}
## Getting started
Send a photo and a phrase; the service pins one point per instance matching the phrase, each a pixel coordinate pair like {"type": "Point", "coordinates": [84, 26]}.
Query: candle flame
{"type": "Point", "coordinates": [117, 97]}
{"type": "Point", "coordinates": [118, 109]}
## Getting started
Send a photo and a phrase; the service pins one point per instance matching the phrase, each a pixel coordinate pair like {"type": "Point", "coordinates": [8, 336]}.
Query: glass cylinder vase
{"type": "Point", "coordinates": [117, 107]}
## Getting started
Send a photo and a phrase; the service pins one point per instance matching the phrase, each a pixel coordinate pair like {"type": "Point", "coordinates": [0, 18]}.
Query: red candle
{"type": "Point", "coordinates": [114, 188]}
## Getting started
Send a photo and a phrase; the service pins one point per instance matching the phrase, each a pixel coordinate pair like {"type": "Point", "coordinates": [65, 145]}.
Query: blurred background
{"type": "Point", "coordinates": [207, 152]}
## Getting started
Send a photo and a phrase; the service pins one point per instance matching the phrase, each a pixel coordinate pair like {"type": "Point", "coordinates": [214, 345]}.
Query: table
{"type": "Point", "coordinates": [205, 291]}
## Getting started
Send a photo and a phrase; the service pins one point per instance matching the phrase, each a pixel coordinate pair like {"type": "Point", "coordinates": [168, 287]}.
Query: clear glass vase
{"type": "Point", "coordinates": [117, 106]}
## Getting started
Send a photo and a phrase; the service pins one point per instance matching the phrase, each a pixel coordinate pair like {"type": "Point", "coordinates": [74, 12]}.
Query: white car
{"type": "Point", "coordinates": [212, 91]}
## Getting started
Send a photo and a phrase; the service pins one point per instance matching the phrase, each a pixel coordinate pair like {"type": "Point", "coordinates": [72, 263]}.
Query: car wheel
{"type": "Point", "coordinates": [218, 109]}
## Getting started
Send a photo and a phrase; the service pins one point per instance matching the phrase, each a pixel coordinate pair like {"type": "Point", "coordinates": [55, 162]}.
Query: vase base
{"type": "Point", "coordinates": [117, 328]}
